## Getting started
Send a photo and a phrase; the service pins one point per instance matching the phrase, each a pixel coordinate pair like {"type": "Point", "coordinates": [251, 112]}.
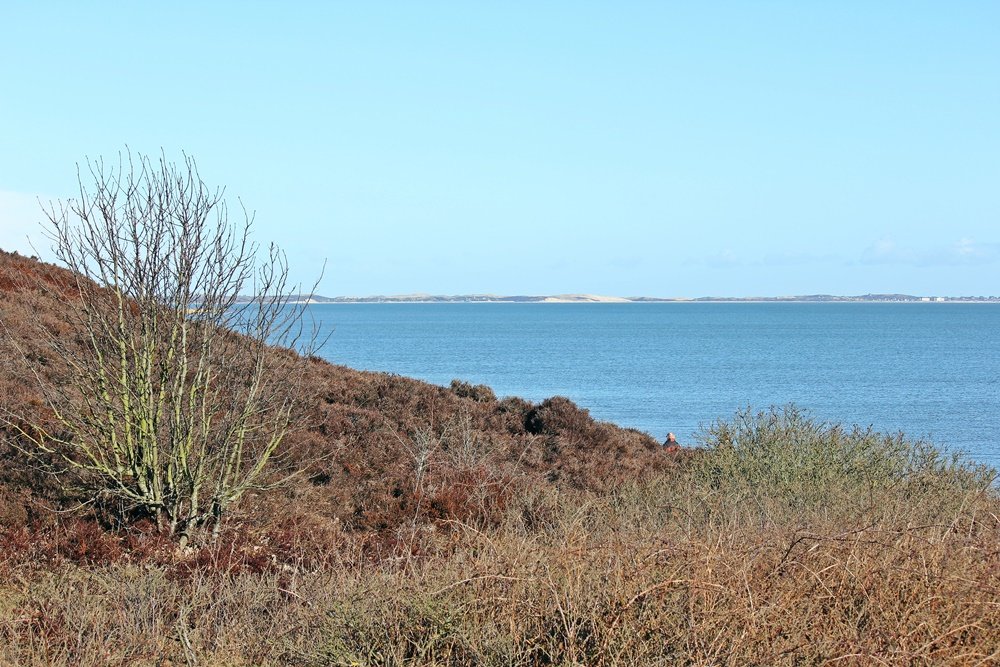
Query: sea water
{"type": "Point", "coordinates": [931, 370]}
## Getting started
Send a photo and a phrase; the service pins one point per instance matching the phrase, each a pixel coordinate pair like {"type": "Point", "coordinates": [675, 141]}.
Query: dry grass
{"type": "Point", "coordinates": [441, 526]}
{"type": "Point", "coordinates": [736, 558]}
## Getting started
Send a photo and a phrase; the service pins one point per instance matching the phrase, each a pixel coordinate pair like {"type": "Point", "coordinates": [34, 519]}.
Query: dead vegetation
{"type": "Point", "coordinates": [441, 526]}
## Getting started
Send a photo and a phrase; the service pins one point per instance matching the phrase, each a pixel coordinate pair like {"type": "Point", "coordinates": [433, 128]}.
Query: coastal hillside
{"type": "Point", "coordinates": [358, 438]}
{"type": "Point", "coordinates": [409, 524]}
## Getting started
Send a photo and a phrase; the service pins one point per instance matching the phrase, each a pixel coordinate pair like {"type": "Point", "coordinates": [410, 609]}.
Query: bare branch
{"type": "Point", "coordinates": [177, 398]}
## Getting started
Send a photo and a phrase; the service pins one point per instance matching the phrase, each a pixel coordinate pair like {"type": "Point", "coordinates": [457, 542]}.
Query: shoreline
{"type": "Point", "coordinates": [351, 301]}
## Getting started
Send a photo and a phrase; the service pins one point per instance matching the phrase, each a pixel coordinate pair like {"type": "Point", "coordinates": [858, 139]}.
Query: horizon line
{"type": "Point", "coordinates": [594, 298]}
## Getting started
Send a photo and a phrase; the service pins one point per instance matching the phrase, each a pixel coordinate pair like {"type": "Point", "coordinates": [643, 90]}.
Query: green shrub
{"type": "Point", "coordinates": [786, 462]}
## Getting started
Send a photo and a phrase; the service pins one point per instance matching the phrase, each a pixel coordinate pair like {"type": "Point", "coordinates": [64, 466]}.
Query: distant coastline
{"type": "Point", "coordinates": [593, 298]}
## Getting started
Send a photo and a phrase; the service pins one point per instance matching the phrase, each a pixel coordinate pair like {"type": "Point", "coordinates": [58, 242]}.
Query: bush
{"type": "Point", "coordinates": [782, 461]}
{"type": "Point", "coordinates": [480, 393]}
{"type": "Point", "coordinates": [171, 402]}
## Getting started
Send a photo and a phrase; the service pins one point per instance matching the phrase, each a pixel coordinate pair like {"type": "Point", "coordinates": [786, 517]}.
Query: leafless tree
{"type": "Point", "coordinates": [178, 393]}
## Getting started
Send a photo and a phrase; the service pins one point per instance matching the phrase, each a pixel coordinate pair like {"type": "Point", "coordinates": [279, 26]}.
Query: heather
{"type": "Point", "coordinates": [429, 525]}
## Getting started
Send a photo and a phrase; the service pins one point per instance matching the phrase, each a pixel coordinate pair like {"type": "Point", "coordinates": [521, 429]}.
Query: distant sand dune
{"type": "Point", "coordinates": [583, 298]}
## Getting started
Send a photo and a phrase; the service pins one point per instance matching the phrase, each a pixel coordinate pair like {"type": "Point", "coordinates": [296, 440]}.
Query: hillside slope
{"type": "Point", "coordinates": [360, 442]}
{"type": "Point", "coordinates": [441, 526]}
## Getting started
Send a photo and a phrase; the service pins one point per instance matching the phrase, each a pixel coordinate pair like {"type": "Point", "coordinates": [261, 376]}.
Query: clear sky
{"type": "Point", "coordinates": [624, 148]}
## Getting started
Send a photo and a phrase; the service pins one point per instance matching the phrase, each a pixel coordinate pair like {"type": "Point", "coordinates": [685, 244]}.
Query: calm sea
{"type": "Point", "coordinates": [930, 370]}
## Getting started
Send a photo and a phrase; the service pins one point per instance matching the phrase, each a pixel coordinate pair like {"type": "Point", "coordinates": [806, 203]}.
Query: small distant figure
{"type": "Point", "coordinates": [671, 444]}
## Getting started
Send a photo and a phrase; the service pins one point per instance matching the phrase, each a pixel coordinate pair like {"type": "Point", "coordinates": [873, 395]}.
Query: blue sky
{"type": "Point", "coordinates": [627, 148]}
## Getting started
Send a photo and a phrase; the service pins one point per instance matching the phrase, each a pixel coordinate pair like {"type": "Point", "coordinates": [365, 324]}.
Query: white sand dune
{"type": "Point", "coordinates": [584, 298]}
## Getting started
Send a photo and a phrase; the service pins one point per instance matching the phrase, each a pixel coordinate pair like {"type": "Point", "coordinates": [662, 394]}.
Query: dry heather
{"type": "Point", "coordinates": [378, 451]}
{"type": "Point", "coordinates": [737, 557]}
{"type": "Point", "coordinates": [441, 526]}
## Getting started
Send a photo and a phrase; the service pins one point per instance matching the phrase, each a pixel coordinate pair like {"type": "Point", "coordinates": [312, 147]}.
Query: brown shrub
{"type": "Point", "coordinates": [356, 441]}
{"type": "Point", "coordinates": [620, 578]}
{"type": "Point", "coordinates": [479, 392]}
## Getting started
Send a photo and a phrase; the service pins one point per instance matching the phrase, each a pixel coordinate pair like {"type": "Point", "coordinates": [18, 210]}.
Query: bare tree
{"type": "Point", "coordinates": [177, 397]}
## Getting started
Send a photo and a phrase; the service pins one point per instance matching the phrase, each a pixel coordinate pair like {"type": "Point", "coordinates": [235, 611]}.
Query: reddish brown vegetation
{"type": "Point", "coordinates": [441, 526]}
{"type": "Point", "coordinates": [379, 452]}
